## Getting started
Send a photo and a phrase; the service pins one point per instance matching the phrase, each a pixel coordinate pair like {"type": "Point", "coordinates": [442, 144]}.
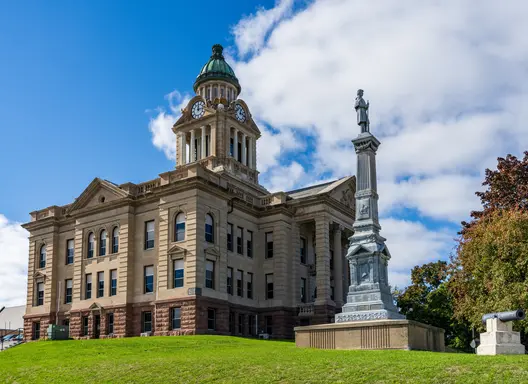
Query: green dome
{"type": "Point", "coordinates": [217, 69]}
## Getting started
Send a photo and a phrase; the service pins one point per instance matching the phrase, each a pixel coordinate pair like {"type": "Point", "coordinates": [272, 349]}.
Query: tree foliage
{"type": "Point", "coordinates": [507, 188]}
{"type": "Point", "coordinates": [490, 269]}
{"type": "Point", "coordinates": [428, 300]}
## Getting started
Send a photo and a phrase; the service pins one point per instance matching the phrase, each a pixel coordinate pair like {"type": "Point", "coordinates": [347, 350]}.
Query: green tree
{"type": "Point", "coordinates": [428, 300]}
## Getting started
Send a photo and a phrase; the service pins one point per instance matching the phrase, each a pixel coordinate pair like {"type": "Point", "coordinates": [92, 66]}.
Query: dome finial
{"type": "Point", "coordinates": [217, 51]}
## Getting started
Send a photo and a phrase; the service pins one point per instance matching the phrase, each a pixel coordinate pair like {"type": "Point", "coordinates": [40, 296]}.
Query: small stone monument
{"type": "Point", "coordinates": [369, 319]}
{"type": "Point", "coordinates": [499, 338]}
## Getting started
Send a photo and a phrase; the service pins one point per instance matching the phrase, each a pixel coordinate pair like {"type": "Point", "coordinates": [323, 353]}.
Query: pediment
{"type": "Point", "coordinates": [95, 307]}
{"type": "Point", "coordinates": [177, 250]}
{"type": "Point", "coordinates": [212, 251]}
{"type": "Point", "coordinates": [343, 190]}
{"type": "Point", "coordinates": [186, 113]}
{"type": "Point", "coordinates": [97, 193]}
{"type": "Point", "coordinates": [39, 275]}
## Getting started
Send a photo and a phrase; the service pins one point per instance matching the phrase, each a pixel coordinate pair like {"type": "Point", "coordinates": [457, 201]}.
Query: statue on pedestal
{"type": "Point", "coordinates": [361, 107]}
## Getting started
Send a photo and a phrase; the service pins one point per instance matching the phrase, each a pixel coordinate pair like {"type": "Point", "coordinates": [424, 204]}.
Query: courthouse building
{"type": "Point", "coordinates": [202, 248]}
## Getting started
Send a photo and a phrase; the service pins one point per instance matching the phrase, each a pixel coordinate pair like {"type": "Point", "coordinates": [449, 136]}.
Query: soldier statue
{"type": "Point", "coordinates": [361, 108]}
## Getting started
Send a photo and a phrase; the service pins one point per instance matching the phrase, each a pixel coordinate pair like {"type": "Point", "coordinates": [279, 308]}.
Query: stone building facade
{"type": "Point", "coordinates": [203, 248]}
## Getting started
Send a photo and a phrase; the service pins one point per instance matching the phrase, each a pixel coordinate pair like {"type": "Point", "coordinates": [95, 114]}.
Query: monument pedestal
{"type": "Point", "coordinates": [373, 334]}
{"type": "Point", "coordinates": [500, 339]}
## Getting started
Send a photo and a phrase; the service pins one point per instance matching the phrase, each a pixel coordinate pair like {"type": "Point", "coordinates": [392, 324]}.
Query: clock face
{"type": "Point", "coordinates": [198, 109]}
{"type": "Point", "coordinates": [240, 114]}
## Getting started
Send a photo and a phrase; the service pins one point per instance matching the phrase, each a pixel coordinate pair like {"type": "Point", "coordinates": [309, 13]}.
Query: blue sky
{"type": "Point", "coordinates": [91, 89]}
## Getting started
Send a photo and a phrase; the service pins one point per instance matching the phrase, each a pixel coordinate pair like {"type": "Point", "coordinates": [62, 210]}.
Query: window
{"type": "Point", "coordinates": [269, 245]}
{"type": "Point", "coordinates": [42, 257]}
{"type": "Point", "coordinates": [110, 322]}
{"type": "Point", "coordinates": [100, 284]}
{"type": "Point", "coordinates": [68, 291]}
{"type": "Point", "coordinates": [231, 145]}
{"type": "Point", "coordinates": [229, 237]}
{"type": "Point", "coordinates": [149, 234]}
{"type": "Point", "coordinates": [249, 245]}
{"type": "Point", "coordinates": [207, 151]}
{"type": "Point", "coordinates": [269, 286]}
{"type": "Point", "coordinates": [209, 228]}
{"type": "Point", "coordinates": [146, 321]}
{"type": "Point", "coordinates": [36, 330]}
{"type": "Point", "coordinates": [251, 325]}
{"type": "Point", "coordinates": [102, 243]}
{"type": "Point", "coordinates": [211, 319]}
{"type": "Point", "coordinates": [249, 285]}
{"type": "Point", "coordinates": [240, 324]}
{"type": "Point", "coordinates": [331, 259]}
{"type": "Point", "coordinates": [239, 145]}
{"type": "Point", "coordinates": [85, 325]}
{"type": "Point", "coordinates": [88, 287]}
{"type": "Point", "coordinates": [240, 246]}
{"type": "Point", "coordinates": [240, 287]}
{"type": "Point", "coordinates": [303, 250]}
{"type": "Point", "coordinates": [209, 274]}
{"type": "Point", "coordinates": [269, 325]}
{"type": "Point", "coordinates": [113, 282]}
{"type": "Point", "coordinates": [303, 290]}
{"type": "Point", "coordinates": [331, 292]}
{"type": "Point", "coordinates": [91, 245]}
{"type": "Point", "coordinates": [69, 251]}
{"type": "Point", "coordinates": [115, 240]}
{"type": "Point", "coordinates": [232, 322]}
{"type": "Point", "coordinates": [176, 318]}
{"type": "Point", "coordinates": [66, 322]}
{"type": "Point", "coordinates": [40, 294]}
{"type": "Point", "coordinates": [178, 273]}
{"type": "Point", "coordinates": [229, 280]}
{"type": "Point", "coordinates": [179, 227]}
{"type": "Point", "coordinates": [149, 279]}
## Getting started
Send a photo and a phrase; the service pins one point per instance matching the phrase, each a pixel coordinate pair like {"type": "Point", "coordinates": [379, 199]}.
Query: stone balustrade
{"type": "Point", "coordinates": [307, 309]}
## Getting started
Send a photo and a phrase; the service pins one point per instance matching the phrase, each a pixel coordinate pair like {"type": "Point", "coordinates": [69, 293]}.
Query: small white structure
{"type": "Point", "coordinates": [500, 339]}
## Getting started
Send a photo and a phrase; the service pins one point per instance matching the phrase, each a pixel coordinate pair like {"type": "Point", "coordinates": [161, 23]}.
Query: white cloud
{"type": "Point", "coordinates": [14, 250]}
{"type": "Point", "coordinates": [284, 178]}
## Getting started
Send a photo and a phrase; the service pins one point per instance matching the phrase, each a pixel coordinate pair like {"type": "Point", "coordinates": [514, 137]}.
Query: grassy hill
{"type": "Point", "coordinates": [203, 359]}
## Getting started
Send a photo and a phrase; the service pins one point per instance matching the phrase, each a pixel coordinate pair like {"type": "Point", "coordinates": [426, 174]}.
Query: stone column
{"type": "Point", "coordinates": [250, 153]}
{"type": "Point", "coordinates": [204, 138]}
{"type": "Point", "coordinates": [184, 148]}
{"type": "Point", "coordinates": [235, 144]}
{"type": "Point", "coordinates": [243, 157]}
{"type": "Point", "coordinates": [322, 251]}
{"type": "Point", "coordinates": [192, 157]}
{"type": "Point", "coordinates": [338, 266]}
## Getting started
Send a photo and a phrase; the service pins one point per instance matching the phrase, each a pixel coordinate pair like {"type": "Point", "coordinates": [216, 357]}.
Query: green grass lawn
{"type": "Point", "coordinates": [217, 359]}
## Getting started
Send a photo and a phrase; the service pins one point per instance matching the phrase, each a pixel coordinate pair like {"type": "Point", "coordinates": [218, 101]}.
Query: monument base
{"type": "Point", "coordinates": [500, 339]}
{"type": "Point", "coordinates": [375, 334]}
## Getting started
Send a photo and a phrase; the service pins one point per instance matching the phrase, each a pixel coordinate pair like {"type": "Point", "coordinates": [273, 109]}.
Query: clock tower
{"type": "Point", "coordinates": [216, 129]}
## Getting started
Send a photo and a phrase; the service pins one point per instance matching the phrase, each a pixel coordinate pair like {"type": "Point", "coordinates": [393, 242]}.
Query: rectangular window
{"type": "Point", "coordinates": [331, 259]}
{"type": "Point", "coordinates": [176, 318]}
{"type": "Point", "coordinates": [178, 273]}
{"type": "Point", "coordinates": [303, 290]}
{"type": "Point", "coordinates": [249, 244]}
{"type": "Point", "coordinates": [240, 241]}
{"type": "Point", "coordinates": [100, 284]}
{"type": "Point", "coordinates": [110, 323]}
{"type": "Point", "coordinates": [209, 274]}
{"type": "Point", "coordinates": [149, 234]}
{"type": "Point", "coordinates": [303, 250]}
{"type": "Point", "coordinates": [85, 325]}
{"type": "Point", "coordinates": [269, 286]}
{"type": "Point", "coordinates": [113, 282]}
{"type": "Point", "coordinates": [211, 319]}
{"type": "Point", "coordinates": [240, 324]}
{"type": "Point", "coordinates": [149, 279]}
{"type": "Point", "coordinates": [69, 251]}
{"type": "Point", "coordinates": [231, 145]}
{"type": "Point", "coordinates": [249, 285]}
{"type": "Point", "coordinates": [240, 286]}
{"type": "Point", "coordinates": [68, 291]}
{"type": "Point", "coordinates": [269, 325]}
{"type": "Point", "coordinates": [229, 280]}
{"type": "Point", "coordinates": [146, 321]}
{"type": "Point", "coordinates": [88, 286]}
{"type": "Point", "coordinates": [251, 325]}
{"type": "Point", "coordinates": [207, 153]}
{"type": "Point", "coordinates": [230, 237]}
{"type": "Point", "coordinates": [36, 330]}
{"type": "Point", "coordinates": [269, 245]}
{"type": "Point", "coordinates": [40, 294]}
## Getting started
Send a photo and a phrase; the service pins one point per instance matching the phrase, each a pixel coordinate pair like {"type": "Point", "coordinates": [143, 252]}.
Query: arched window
{"type": "Point", "coordinates": [91, 245]}
{"type": "Point", "coordinates": [42, 257]}
{"type": "Point", "coordinates": [115, 240]}
{"type": "Point", "coordinates": [102, 243]}
{"type": "Point", "coordinates": [179, 227]}
{"type": "Point", "coordinates": [209, 228]}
